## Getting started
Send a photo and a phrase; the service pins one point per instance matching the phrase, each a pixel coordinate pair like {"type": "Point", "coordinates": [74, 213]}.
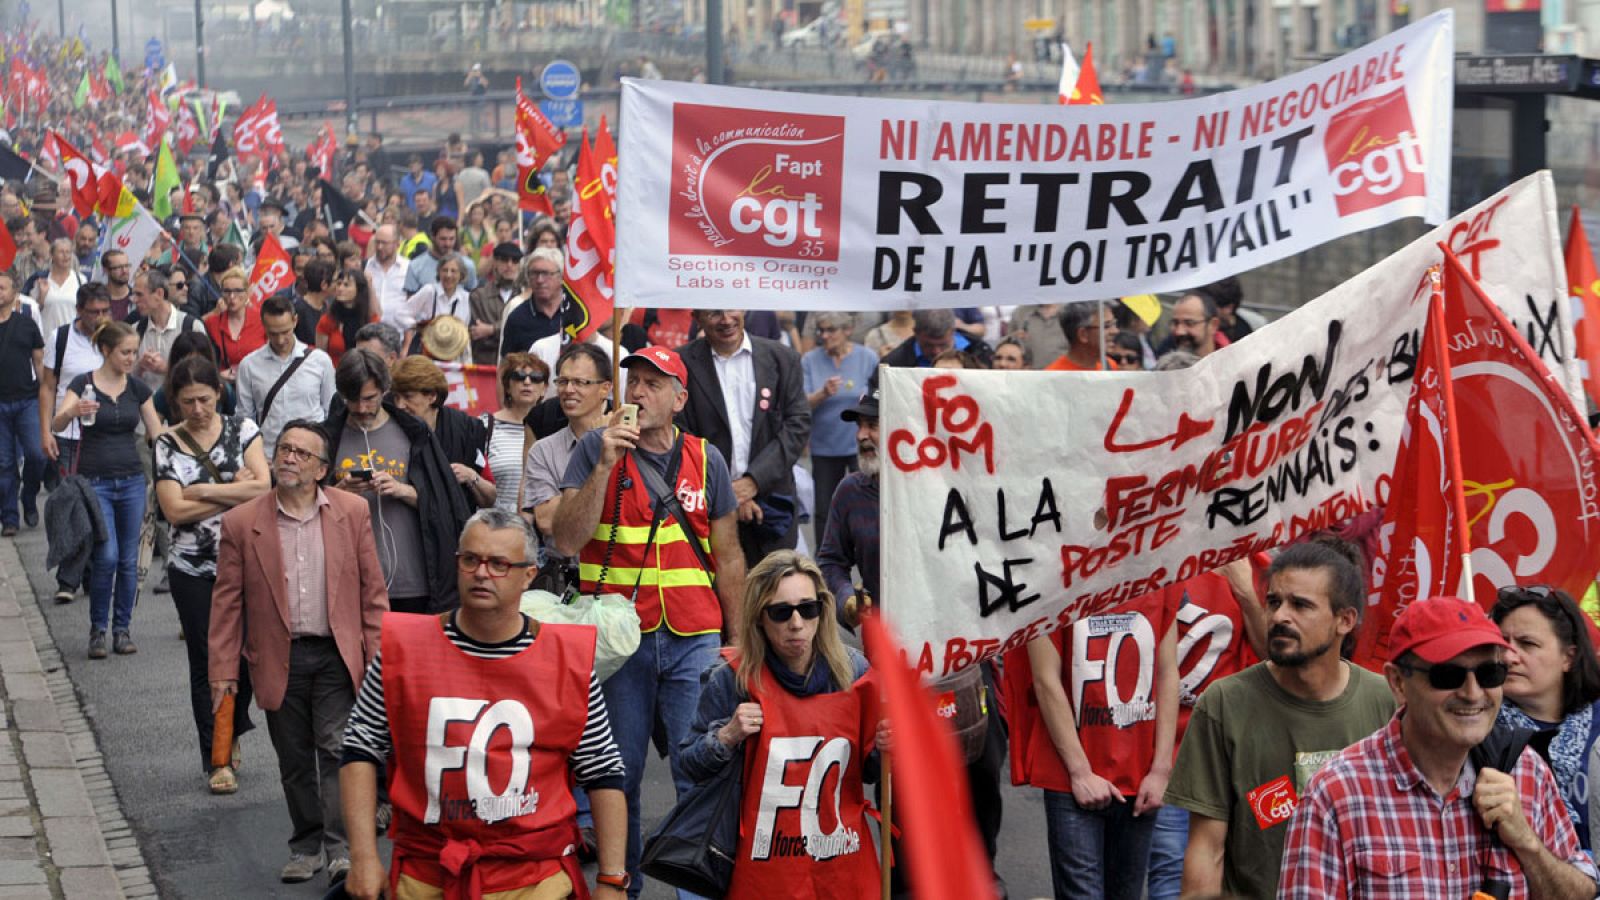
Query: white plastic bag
{"type": "Point", "coordinates": [612, 615]}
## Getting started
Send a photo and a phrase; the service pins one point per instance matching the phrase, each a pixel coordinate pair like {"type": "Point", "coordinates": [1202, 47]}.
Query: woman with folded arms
{"type": "Point", "coordinates": [205, 466]}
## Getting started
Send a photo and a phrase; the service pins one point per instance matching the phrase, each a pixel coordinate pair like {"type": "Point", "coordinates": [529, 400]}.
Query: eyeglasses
{"type": "Point", "coordinates": [564, 383]}
{"type": "Point", "coordinates": [297, 454]}
{"type": "Point", "coordinates": [529, 377]}
{"type": "Point", "coordinates": [234, 292]}
{"type": "Point", "coordinates": [828, 329]}
{"type": "Point", "coordinates": [498, 566]}
{"type": "Point", "coordinates": [1451, 676]}
{"type": "Point", "coordinates": [781, 612]}
{"type": "Point", "coordinates": [1190, 323]}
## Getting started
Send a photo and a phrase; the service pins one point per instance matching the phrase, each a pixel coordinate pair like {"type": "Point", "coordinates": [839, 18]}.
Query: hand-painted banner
{"type": "Point", "coordinates": [780, 200]}
{"type": "Point", "coordinates": [1015, 502]}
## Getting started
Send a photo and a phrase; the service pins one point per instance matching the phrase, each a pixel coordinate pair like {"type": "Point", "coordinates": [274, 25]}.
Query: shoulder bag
{"type": "Point", "coordinates": [272, 393]}
{"type": "Point", "coordinates": [694, 847]}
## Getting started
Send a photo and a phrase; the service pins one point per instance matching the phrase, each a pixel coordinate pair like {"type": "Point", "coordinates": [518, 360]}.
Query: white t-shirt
{"type": "Point", "coordinates": [82, 356]}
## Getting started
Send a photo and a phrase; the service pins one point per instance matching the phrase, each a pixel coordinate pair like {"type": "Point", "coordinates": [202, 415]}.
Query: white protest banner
{"type": "Point", "coordinates": [1015, 502]}
{"type": "Point", "coordinates": [774, 200]}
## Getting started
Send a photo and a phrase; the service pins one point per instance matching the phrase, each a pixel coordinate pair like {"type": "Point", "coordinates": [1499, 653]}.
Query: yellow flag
{"type": "Point", "coordinates": [126, 204]}
{"type": "Point", "coordinates": [1145, 306]}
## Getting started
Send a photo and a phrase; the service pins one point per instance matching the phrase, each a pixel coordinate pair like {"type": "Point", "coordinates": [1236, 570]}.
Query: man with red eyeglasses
{"type": "Point", "coordinates": [485, 718]}
{"type": "Point", "coordinates": [1412, 811]}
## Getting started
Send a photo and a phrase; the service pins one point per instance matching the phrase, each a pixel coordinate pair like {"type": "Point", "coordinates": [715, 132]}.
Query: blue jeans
{"type": "Point", "coordinates": [1096, 854]}
{"type": "Point", "coordinates": [658, 685]}
{"type": "Point", "coordinates": [114, 570]}
{"type": "Point", "coordinates": [19, 428]}
{"type": "Point", "coordinates": [1166, 852]}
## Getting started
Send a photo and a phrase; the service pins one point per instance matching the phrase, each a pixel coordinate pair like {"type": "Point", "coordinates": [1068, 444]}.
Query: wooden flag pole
{"type": "Point", "coordinates": [886, 826]}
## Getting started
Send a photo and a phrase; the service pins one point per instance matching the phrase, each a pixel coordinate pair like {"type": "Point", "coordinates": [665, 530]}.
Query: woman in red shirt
{"type": "Point", "coordinates": [235, 325]}
{"type": "Point", "coordinates": [351, 308]}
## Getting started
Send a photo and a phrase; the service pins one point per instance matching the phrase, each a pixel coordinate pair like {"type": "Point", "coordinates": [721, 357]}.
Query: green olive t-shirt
{"type": "Point", "coordinates": [1251, 747]}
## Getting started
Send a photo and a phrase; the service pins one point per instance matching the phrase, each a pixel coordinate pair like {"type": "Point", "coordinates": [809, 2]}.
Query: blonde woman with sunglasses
{"type": "Point", "coordinates": [798, 705]}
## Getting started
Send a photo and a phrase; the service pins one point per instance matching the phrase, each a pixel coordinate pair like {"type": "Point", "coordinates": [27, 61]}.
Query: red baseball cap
{"type": "Point", "coordinates": [661, 359]}
{"type": "Point", "coordinates": [1440, 628]}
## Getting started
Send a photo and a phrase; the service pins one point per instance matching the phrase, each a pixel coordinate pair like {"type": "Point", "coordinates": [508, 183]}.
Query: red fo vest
{"type": "Point", "coordinates": [1108, 669]}
{"type": "Point", "coordinates": [673, 587]}
{"type": "Point", "coordinates": [1211, 639]}
{"type": "Point", "coordinates": [480, 756]}
{"type": "Point", "coordinates": [803, 819]}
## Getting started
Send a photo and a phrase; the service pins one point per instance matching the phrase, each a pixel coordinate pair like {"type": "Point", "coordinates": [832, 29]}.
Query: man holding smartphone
{"type": "Point", "coordinates": [649, 511]}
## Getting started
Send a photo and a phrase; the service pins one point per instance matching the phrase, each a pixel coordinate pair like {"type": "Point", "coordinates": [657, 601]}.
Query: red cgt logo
{"type": "Point", "coordinates": [1374, 155]}
{"type": "Point", "coordinates": [1273, 802]}
{"type": "Point", "coordinates": [747, 182]}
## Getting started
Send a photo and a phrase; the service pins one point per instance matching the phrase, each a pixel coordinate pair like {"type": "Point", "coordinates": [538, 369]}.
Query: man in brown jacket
{"type": "Point", "coordinates": [300, 596]}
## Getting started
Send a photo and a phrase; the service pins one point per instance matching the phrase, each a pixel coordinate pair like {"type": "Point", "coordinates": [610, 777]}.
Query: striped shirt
{"type": "Point", "coordinates": [505, 462]}
{"type": "Point", "coordinates": [595, 764]}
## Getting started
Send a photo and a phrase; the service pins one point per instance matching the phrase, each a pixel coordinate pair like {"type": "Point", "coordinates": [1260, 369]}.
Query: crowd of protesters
{"type": "Point", "coordinates": [315, 486]}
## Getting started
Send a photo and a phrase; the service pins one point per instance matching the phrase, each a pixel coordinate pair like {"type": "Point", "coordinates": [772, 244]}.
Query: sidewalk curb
{"type": "Point", "coordinates": [87, 849]}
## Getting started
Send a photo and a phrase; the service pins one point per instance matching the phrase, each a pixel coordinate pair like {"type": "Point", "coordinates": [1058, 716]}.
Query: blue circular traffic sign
{"type": "Point", "coordinates": [560, 80]}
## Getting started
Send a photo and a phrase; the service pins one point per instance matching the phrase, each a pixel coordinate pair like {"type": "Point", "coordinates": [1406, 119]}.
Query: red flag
{"type": "Point", "coordinates": [97, 150]}
{"type": "Point", "coordinates": [605, 154]}
{"type": "Point", "coordinates": [157, 119]}
{"type": "Point", "coordinates": [321, 150]}
{"type": "Point", "coordinates": [186, 132]}
{"type": "Point", "coordinates": [1585, 287]}
{"type": "Point", "coordinates": [8, 247]}
{"type": "Point", "coordinates": [1527, 454]}
{"type": "Point", "coordinates": [1087, 92]}
{"type": "Point", "coordinates": [537, 139]}
{"type": "Point", "coordinates": [128, 141]}
{"type": "Point", "coordinates": [591, 248]}
{"type": "Point", "coordinates": [256, 133]}
{"type": "Point", "coordinates": [272, 272]}
{"type": "Point", "coordinates": [82, 174]}
{"type": "Point", "coordinates": [108, 193]}
{"type": "Point", "coordinates": [944, 856]}
{"type": "Point", "coordinates": [1424, 533]}
{"type": "Point", "coordinates": [475, 390]}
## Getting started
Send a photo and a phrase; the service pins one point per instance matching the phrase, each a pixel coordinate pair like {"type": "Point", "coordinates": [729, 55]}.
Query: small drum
{"type": "Point", "coordinates": [962, 700]}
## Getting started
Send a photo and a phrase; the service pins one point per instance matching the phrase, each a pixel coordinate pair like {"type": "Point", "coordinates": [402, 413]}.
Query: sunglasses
{"type": "Point", "coordinates": [530, 377]}
{"type": "Point", "coordinates": [780, 612]}
{"type": "Point", "coordinates": [1451, 676]}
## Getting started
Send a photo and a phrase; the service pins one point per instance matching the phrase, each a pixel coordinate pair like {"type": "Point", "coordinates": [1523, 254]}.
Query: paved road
{"type": "Point", "coordinates": [201, 846]}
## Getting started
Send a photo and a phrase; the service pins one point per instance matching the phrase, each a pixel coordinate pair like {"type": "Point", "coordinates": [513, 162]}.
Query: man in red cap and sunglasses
{"type": "Point", "coordinates": [1406, 812]}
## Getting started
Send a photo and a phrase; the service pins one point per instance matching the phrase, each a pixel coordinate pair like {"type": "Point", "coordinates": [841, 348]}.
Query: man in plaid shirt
{"type": "Point", "coordinates": [1404, 814]}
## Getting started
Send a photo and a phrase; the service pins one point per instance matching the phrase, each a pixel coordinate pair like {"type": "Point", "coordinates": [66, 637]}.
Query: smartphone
{"type": "Point", "coordinates": [361, 474]}
{"type": "Point", "coordinates": [630, 415]}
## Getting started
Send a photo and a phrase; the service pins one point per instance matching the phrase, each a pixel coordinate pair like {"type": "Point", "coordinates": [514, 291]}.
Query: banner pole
{"type": "Point", "coordinates": [1099, 327]}
{"type": "Point", "coordinates": [886, 831]}
{"type": "Point", "coordinates": [616, 356]}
